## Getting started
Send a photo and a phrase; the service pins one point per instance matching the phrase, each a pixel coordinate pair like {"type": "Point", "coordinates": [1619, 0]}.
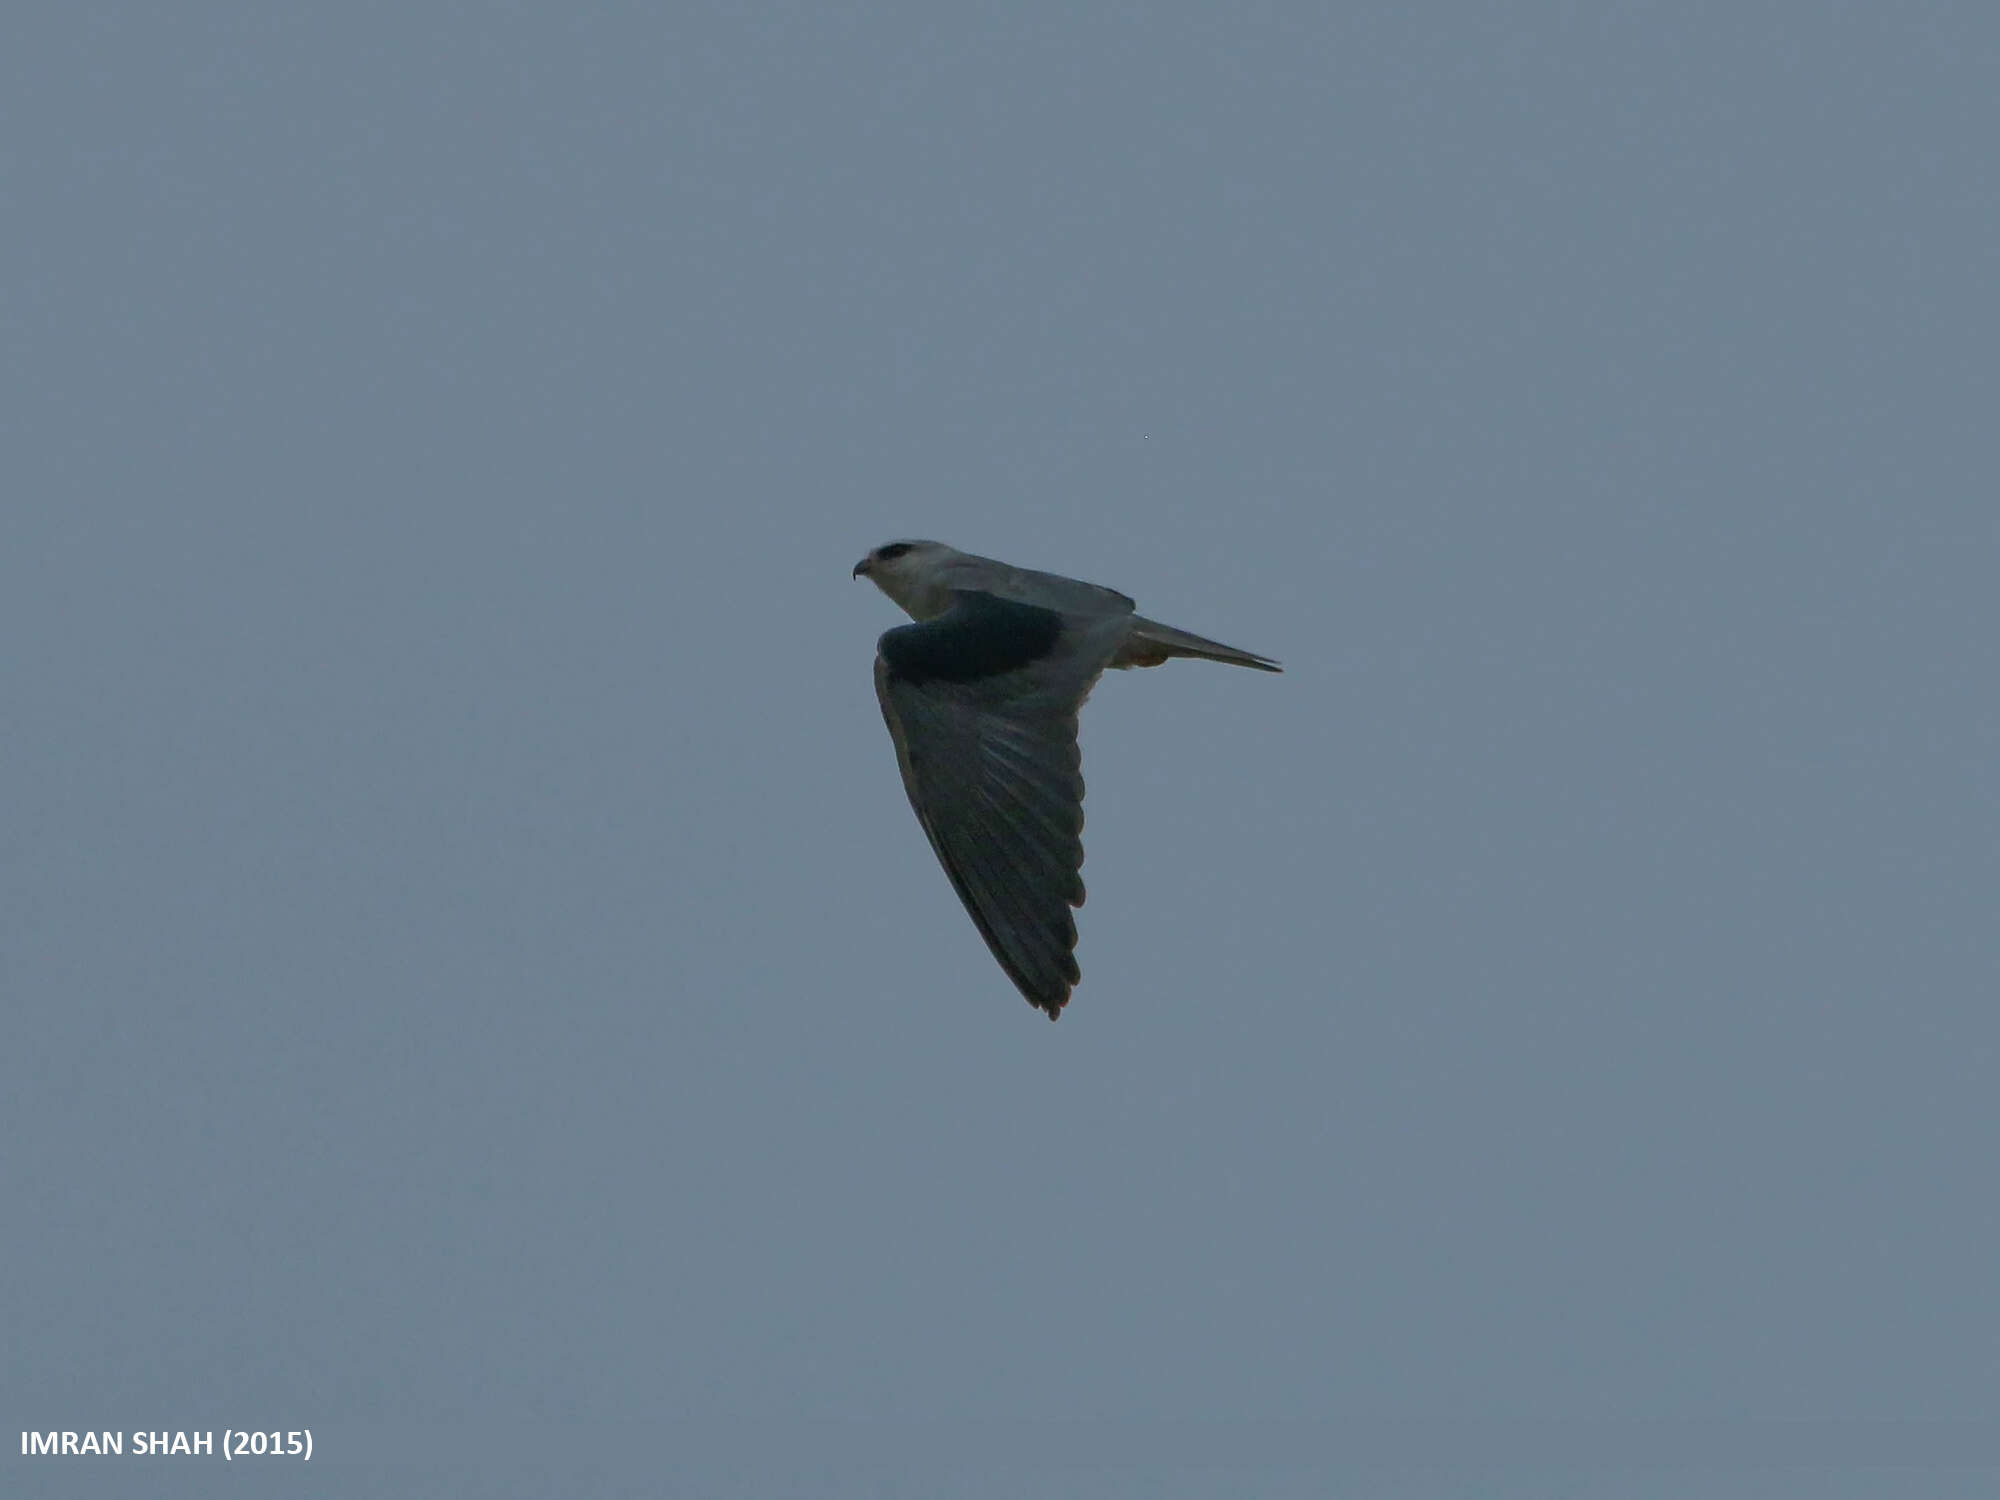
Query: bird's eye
{"type": "Point", "coordinates": [893, 551]}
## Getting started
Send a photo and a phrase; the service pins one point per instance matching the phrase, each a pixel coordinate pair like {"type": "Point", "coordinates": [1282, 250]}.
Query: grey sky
{"type": "Point", "coordinates": [469, 963]}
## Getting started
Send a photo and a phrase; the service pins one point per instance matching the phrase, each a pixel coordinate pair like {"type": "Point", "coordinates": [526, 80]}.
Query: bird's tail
{"type": "Point", "coordinates": [1152, 643]}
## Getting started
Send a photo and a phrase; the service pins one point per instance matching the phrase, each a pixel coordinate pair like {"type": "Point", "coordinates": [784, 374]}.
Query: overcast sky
{"type": "Point", "coordinates": [474, 986]}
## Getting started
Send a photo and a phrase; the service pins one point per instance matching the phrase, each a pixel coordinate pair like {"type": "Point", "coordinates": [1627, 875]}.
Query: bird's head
{"type": "Point", "coordinates": [911, 573]}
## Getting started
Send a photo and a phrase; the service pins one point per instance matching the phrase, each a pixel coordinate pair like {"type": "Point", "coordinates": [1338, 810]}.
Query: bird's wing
{"type": "Point", "coordinates": [981, 703]}
{"type": "Point", "coordinates": [1026, 586]}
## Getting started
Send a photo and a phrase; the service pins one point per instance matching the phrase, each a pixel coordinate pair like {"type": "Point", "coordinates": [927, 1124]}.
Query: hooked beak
{"type": "Point", "coordinates": [861, 567]}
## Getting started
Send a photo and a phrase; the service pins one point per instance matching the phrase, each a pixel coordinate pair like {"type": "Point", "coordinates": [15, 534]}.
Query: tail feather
{"type": "Point", "coordinates": [1152, 643]}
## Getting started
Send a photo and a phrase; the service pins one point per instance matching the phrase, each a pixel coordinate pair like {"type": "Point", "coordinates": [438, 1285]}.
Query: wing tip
{"type": "Point", "coordinates": [1047, 997]}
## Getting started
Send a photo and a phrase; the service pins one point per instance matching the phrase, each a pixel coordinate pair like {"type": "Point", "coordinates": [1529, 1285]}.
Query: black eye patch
{"type": "Point", "coordinates": [893, 551]}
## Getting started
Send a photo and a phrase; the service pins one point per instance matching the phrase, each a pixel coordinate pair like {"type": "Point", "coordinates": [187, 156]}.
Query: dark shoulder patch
{"type": "Point", "coordinates": [979, 636]}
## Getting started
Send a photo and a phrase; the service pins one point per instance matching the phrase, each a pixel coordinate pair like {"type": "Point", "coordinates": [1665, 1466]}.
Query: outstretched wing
{"type": "Point", "coordinates": [981, 703]}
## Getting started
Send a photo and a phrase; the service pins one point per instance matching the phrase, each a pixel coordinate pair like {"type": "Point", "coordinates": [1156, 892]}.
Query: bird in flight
{"type": "Point", "coordinates": [981, 696]}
